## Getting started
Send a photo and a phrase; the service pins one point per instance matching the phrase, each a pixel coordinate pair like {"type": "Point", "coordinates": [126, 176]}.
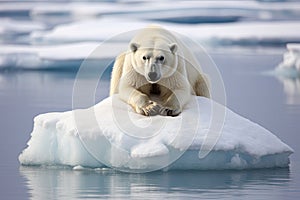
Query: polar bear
{"type": "Point", "coordinates": [158, 74]}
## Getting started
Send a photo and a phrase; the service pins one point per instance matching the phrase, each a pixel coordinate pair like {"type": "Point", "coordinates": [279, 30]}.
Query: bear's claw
{"type": "Point", "coordinates": [169, 112]}
{"type": "Point", "coordinates": [152, 108]}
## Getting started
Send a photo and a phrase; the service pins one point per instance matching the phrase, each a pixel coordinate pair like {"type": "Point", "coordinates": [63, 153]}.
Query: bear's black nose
{"type": "Point", "coordinates": [152, 76]}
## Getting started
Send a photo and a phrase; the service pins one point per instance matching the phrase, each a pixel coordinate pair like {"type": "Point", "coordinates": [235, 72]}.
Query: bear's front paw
{"type": "Point", "coordinates": [150, 109]}
{"type": "Point", "coordinates": [165, 111]}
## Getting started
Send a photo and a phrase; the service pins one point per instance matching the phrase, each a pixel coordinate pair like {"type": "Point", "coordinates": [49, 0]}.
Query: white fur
{"type": "Point", "coordinates": [158, 74]}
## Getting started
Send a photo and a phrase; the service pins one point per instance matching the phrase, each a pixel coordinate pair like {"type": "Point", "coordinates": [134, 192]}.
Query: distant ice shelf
{"type": "Point", "coordinates": [56, 56]}
{"type": "Point", "coordinates": [246, 33]}
{"type": "Point", "coordinates": [220, 11]}
{"type": "Point", "coordinates": [100, 136]}
{"type": "Point", "coordinates": [68, 45]}
{"type": "Point", "coordinates": [15, 27]}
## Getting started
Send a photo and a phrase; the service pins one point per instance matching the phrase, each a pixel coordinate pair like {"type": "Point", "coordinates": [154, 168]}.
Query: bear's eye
{"type": "Point", "coordinates": [144, 58]}
{"type": "Point", "coordinates": [161, 58]}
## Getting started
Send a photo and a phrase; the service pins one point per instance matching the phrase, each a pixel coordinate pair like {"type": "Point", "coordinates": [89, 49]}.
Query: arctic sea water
{"type": "Point", "coordinates": [26, 94]}
{"type": "Point", "coordinates": [272, 102]}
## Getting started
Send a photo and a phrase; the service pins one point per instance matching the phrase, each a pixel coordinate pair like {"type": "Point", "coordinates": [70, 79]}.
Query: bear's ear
{"type": "Point", "coordinates": [173, 47]}
{"type": "Point", "coordinates": [134, 46]}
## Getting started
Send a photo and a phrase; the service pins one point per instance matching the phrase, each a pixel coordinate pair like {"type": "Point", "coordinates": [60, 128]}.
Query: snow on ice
{"type": "Point", "coordinates": [73, 138]}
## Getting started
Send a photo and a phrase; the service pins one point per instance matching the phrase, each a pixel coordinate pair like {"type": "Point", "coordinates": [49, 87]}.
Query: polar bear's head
{"type": "Point", "coordinates": [154, 62]}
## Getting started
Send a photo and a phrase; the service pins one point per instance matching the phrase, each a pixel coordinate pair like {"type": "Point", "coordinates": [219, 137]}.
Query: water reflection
{"type": "Point", "coordinates": [291, 87]}
{"type": "Point", "coordinates": [47, 183]}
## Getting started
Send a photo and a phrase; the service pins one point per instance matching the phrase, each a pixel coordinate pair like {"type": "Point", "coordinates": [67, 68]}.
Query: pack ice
{"type": "Point", "coordinates": [111, 134]}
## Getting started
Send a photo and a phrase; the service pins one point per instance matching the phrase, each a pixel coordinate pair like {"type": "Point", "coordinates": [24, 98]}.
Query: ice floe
{"type": "Point", "coordinates": [100, 136]}
{"type": "Point", "coordinates": [290, 66]}
{"type": "Point", "coordinates": [288, 73]}
{"type": "Point", "coordinates": [53, 56]}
